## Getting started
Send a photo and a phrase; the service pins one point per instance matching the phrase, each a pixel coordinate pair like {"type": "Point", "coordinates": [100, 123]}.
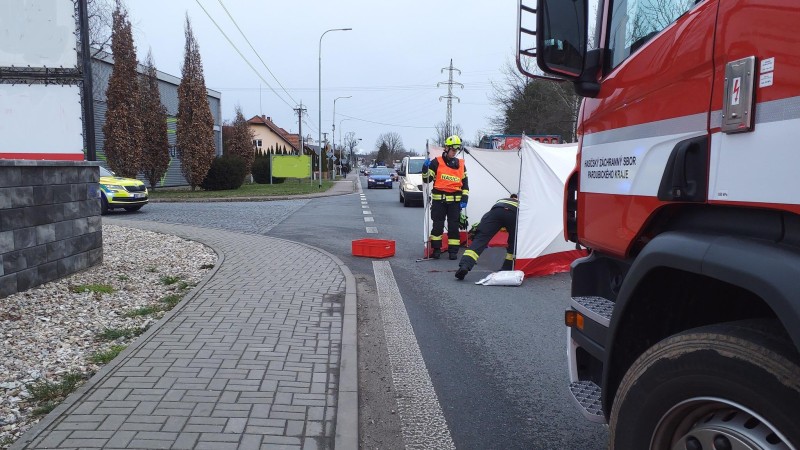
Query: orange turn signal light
{"type": "Point", "coordinates": [573, 319]}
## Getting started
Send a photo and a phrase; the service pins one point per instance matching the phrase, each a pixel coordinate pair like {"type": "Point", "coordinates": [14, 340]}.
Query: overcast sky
{"type": "Point", "coordinates": [390, 63]}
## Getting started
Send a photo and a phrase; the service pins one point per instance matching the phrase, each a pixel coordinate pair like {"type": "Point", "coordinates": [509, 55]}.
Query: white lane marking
{"type": "Point", "coordinates": [369, 219]}
{"type": "Point", "coordinates": [421, 416]}
{"type": "Point", "coordinates": [367, 212]}
{"type": "Point", "coordinates": [372, 230]}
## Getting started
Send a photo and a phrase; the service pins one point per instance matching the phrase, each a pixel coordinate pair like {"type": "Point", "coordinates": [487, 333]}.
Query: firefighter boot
{"type": "Point", "coordinates": [453, 256]}
{"type": "Point", "coordinates": [461, 272]}
{"type": "Point", "coordinates": [436, 253]}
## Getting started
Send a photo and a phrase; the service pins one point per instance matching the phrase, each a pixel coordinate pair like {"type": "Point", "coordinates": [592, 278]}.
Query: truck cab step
{"type": "Point", "coordinates": [587, 395]}
{"type": "Point", "coordinates": [598, 309]}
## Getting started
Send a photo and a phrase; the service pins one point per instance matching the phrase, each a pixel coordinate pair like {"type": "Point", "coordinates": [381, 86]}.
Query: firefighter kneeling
{"type": "Point", "coordinates": [502, 215]}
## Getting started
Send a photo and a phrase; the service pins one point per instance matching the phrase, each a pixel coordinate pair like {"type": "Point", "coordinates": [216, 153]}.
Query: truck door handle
{"type": "Point", "coordinates": [679, 182]}
{"type": "Point", "coordinates": [685, 175]}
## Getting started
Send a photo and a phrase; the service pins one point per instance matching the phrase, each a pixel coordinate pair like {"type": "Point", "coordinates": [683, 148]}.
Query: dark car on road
{"type": "Point", "coordinates": [379, 177]}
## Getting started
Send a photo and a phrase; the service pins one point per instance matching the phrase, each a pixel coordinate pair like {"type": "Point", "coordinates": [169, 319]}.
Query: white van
{"type": "Point", "coordinates": [410, 180]}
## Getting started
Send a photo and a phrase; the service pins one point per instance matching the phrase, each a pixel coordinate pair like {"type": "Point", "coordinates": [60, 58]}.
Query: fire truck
{"type": "Point", "coordinates": [684, 321]}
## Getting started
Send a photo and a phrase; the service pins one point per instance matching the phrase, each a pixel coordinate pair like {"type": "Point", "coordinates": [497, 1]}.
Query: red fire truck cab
{"type": "Point", "coordinates": [684, 325]}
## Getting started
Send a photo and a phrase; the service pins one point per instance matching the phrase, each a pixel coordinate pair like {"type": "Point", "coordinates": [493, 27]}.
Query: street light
{"type": "Point", "coordinates": [333, 131]}
{"type": "Point", "coordinates": [320, 98]}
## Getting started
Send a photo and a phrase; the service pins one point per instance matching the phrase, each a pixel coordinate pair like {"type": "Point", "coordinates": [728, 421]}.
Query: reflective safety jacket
{"type": "Point", "coordinates": [449, 183]}
{"type": "Point", "coordinates": [507, 203]}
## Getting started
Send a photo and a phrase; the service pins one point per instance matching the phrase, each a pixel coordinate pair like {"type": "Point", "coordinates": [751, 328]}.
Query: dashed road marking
{"type": "Point", "coordinates": [372, 230]}
{"type": "Point", "coordinates": [421, 417]}
{"type": "Point", "coordinates": [369, 219]}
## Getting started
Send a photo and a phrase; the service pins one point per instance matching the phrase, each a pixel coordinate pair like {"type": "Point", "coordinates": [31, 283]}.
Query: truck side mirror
{"type": "Point", "coordinates": [561, 37]}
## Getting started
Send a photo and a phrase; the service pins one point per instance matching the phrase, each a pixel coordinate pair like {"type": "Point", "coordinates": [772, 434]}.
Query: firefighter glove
{"type": "Point", "coordinates": [463, 223]}
{"type": "Point", "coordinates": [463, 205]}
{"type": "Point", "coordinates": [473, 231]}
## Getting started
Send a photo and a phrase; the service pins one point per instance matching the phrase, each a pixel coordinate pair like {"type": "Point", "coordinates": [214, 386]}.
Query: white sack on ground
{"type": "Point", "coordinates": [503, 278]}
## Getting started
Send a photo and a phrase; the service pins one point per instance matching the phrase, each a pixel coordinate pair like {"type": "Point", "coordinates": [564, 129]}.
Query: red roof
{"type": "Point", "coordinates": [292, 139]}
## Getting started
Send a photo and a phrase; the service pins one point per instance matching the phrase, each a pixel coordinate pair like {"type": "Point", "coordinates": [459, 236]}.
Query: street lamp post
{"type": "Point", "coordinates": [333, 131]}
{"type": "Point", "coordinates": [320, 97]}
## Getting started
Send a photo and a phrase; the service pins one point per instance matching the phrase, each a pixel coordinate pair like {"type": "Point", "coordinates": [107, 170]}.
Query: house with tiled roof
{"type": "Point", "coordinates": [270, 138]}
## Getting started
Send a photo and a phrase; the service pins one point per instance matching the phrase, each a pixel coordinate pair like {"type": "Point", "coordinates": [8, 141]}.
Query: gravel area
{"type": "Point", "coordinates": [55, 329]}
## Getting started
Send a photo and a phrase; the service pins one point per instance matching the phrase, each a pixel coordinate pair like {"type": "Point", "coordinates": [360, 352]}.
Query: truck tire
{"type": "Point", "coordinates": [733, 386]}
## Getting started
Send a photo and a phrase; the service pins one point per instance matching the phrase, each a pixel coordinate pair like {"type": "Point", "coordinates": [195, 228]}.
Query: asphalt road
{"type": "Point", "coordinates": [495, 355]}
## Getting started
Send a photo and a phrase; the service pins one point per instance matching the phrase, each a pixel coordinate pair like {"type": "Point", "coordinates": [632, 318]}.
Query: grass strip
{"type": "Point", "coordinates": [106, 356]}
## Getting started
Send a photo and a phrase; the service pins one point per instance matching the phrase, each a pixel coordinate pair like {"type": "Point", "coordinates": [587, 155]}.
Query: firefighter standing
{"type": "Point", "coordinates": [502, 215]}
{"type": "Point", "coordinates": [448, 197]}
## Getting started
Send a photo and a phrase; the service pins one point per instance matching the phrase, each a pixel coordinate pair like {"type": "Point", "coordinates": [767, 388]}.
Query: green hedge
{"type": "Point", "coordinates": [227, 172]}
{"type": "Point", "coordinates": [261, 170]}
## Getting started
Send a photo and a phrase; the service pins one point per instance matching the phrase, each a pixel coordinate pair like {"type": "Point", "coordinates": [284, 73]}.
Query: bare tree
{"type": "Point", "coordinates": [350, 142]}
{"type": "Point", "coordinates": [534, 106]}
{"type": "Point", "coordinates": [100, 24]}
{"type": "Point", "coordinates": [153, 114]}
{"type": "Point", "coordinates": [393, 143]}
{"type": "Point", "coordinates": [195, 130]}
{"type": "Point", "coordinates": [123, 128]}
{"type": "Point", "coordinates": [441, 133]}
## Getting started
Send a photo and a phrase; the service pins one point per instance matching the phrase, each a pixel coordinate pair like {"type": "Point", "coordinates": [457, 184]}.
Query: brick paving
{"type": "Point", "coordinates": [261, 354]}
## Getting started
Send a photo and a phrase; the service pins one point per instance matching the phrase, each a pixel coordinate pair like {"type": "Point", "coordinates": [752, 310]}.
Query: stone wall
{"type": "Point", "coordinates": [50, 223]}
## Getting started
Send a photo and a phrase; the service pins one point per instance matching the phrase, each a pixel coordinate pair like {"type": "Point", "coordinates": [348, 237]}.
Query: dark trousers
{"type": "Point", "coordinates": [490, 224]}
{"type": "Point", "coordinates": [441, 210]}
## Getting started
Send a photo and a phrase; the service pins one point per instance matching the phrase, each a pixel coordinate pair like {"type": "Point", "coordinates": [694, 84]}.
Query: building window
{"type": "Point", "coordinates": [257, 144]}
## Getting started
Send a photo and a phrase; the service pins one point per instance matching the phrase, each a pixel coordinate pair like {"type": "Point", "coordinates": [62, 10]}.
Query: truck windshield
{"type": "Point", "coordinates": [634, 22]}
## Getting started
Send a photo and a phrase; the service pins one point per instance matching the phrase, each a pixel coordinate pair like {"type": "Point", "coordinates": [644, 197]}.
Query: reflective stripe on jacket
{"type": "Point", "coordinates": [508, 203]}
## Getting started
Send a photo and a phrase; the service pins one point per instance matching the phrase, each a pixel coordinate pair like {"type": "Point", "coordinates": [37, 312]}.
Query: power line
{"type": "Point", "coordinates": [243, 57]}
{"type": "Point", "coordinates": [254, 50]}
{"type": "Point", "coordinates": [381, 123]}
{"type": "Point", "coordinates": [410, 87]}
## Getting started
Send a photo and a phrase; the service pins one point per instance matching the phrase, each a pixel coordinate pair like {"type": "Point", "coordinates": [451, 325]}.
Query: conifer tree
{"type": "Point", "coordinates": [195, 129]}
{"type": "Point", "coordinates": [155, 144]}
{"type": "Point", "coordinates": [241, 142]}
{"type": "Point", "coordinates": [123, 128]}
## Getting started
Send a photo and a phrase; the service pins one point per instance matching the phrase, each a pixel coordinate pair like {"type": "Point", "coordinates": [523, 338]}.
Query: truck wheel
{"type": "Point", "coordinates": [728, 386]}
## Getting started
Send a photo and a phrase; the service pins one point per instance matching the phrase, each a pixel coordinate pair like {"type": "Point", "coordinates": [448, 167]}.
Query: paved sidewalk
{"type": "Point", "coordinates": [261, 354]}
